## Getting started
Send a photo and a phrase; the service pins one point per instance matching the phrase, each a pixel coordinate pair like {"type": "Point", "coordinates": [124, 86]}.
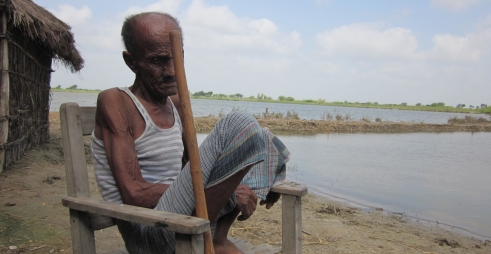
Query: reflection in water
{"type": "Point", "coordinates": [442, 177]}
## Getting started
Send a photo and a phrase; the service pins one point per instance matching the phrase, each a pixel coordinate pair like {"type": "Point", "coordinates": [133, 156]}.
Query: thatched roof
{"type": "Point", "coordinates": [40, 25]}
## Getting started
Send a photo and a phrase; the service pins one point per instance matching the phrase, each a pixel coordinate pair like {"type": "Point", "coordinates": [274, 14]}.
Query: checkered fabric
{"type": "Point", "coordinates": [236, 142]}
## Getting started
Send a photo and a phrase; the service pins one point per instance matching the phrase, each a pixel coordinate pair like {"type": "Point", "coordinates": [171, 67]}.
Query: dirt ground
{"type": "Point", "coordinates": [32, 219]}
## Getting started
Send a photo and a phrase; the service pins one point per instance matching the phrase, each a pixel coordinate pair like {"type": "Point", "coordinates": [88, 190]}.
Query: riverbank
{"type": "Point", "coordinates": [33, 220]}
{"type": "Point", "coordinates": [205, 125]}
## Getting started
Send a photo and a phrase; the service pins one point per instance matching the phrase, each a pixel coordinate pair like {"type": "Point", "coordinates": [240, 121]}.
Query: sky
{"type": "Point", "coordinates": [413, 51]}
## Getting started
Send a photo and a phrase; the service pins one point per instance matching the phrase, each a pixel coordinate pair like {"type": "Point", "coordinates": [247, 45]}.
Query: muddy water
{"type": "Point", "coordinates": [214, 107]}
{"type": "Point", "coordinates": [440, 177]}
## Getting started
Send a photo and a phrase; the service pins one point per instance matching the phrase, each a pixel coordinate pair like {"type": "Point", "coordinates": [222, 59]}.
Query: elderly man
{"type": "Point", "coordinates": [139, 157]}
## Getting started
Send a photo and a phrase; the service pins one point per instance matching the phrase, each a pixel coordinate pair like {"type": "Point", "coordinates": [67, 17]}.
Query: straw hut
{"type": "Point", "coordinates": [31, 38]}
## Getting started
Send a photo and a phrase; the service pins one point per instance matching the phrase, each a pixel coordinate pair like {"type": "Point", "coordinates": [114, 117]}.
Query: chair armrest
{"type": "Point", "coordinates": [171, 221]}
{"type": "Point", "coordinates": [290, 188]}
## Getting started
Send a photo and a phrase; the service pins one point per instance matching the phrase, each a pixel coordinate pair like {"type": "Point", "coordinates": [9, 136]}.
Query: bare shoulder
{"type": "Point", "coordinates": [112, 109]}
{"type": "Point", "coordinates": [109, 96]}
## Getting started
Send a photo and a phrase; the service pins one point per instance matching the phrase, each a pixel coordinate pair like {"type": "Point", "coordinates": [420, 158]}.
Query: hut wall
{"type": "Point", "coordinates": [29, 74]}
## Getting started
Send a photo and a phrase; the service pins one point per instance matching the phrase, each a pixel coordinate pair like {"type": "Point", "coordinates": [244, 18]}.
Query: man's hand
{"type": "Point", "coordinates": [246, 201]}
{"type": "Point", "coordinates": [271, 198]}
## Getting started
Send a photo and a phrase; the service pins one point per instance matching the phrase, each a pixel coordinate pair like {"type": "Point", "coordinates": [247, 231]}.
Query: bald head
{"type": "Point", "coordinates": [134, 23]}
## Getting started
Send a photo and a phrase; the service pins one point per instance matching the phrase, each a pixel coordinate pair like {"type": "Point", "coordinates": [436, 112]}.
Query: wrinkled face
{"type": "Point", "coordinates": [153, 60]}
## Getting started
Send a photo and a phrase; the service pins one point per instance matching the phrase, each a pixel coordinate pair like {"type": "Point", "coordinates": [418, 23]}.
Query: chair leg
{"type": "Point", "coordinates": [192, 244]}
{"type": "Point", "coordinates": [83, 241]}
{"type": "Point", "coordinates": [291, 224]}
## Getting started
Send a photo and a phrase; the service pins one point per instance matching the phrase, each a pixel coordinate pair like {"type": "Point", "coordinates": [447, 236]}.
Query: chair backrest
{"type": "Point", "coordinates": [76, 122]}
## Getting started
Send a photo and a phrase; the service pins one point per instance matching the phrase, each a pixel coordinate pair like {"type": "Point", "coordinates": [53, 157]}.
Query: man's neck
{"type": "Point", "coordinates": [139, 90]}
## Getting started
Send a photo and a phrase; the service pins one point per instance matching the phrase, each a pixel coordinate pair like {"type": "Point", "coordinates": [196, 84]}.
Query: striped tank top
{"type": "Point", "coordinates": [159, 152]}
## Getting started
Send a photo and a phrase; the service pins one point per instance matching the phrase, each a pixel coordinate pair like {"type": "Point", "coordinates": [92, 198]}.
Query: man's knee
{"type": "Point", "coordinates": [239, 116]}
{"type": "Point", "coordinates": [238, 121]}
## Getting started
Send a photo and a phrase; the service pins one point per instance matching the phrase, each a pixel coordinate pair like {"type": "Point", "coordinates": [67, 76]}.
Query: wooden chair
{"type": "Point", "coordinates": [88, 214]}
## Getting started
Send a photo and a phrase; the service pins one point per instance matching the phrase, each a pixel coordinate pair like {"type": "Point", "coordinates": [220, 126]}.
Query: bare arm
{"type": "Point", "coordinates": [114, 125]}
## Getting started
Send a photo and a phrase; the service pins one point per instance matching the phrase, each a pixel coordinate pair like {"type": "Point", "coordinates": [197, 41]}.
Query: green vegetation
{"type": "Point", "coordinates": [436, 106]}
{"type": "Point", "coordinates": [290, 114]}
{"type": "Point", "coordinates": [468, 119]}
{"type": "Point", "coordinates": [74, 89]}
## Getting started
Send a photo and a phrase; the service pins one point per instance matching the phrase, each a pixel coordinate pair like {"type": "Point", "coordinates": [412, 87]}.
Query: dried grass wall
{"type": "Point", "coordinates": [29, 74]}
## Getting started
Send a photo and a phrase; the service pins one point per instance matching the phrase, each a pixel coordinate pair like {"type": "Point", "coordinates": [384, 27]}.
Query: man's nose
{"type": "Point", "coordinates": [169, 68]}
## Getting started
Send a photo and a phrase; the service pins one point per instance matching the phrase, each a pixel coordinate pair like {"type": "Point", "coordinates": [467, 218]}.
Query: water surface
{"type": "Point", "coordinates": [437, 176]}
{"type": "Point", "coordinates": [202, 107]}
{"type": "Point", "coordinates": [440, 177]}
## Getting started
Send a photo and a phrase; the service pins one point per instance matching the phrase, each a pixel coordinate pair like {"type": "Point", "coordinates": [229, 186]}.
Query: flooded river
{"type": "Point", "coordinates": [442, 177]}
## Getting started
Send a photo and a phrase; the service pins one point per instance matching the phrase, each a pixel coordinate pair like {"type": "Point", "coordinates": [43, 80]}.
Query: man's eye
{"type": "Point", "coordinates": [156, 60]}
{"type": "Point", "coordinates": [159, 60]}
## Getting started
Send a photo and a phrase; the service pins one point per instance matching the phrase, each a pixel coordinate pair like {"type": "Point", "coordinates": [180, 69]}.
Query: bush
{"type": "Point", "coordinates": [468, 119]}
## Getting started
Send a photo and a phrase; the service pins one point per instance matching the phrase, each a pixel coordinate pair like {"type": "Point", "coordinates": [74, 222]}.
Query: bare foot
{"type": "Point", "coordinates": [226, 247]}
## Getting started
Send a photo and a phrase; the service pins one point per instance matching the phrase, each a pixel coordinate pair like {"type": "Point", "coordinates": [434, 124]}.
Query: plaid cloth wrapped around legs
{"type": "Point", "coordinates": [236, 142]}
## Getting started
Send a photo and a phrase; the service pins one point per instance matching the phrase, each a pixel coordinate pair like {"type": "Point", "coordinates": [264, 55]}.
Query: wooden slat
{"type": "Point", "coordinates": [291, 224]}
{"type": "Point", "coordinates": [189, 244]}
{"type": "Point", "coordinates": [290, 188]}
{"type": "Point", "coordinates": [83, 241]}
{"type": "Point", "coordinates": [74, 150]}
{"type": "Point", "coordinates": [175, 222]}
{"type": "Point", "coordinates": [88, 119]}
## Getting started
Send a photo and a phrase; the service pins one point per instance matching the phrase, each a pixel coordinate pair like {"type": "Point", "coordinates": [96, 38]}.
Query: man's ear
{"type": "Point", "coordinates": [130, 61]}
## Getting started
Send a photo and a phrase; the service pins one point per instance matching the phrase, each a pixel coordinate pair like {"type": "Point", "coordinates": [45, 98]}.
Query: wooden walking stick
{"type": "Point", "coordinates": [190, 135]}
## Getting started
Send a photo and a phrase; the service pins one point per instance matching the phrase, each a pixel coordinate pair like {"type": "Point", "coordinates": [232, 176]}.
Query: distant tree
{"type": "Point", "coordinates": [404, 104]}
{"type": "Point", "coordinates": [209, 94]}
{"type": "Point", "coordinates": [290, 98]}
{"type": "Point", "coordinates": [238, 95]}
{"type": "Point", "coordinates": [321, 101]}
{"type": "Point", "coordinates": [375, 103]}
{"type": "Point", "coordinates": [281, 98]}
{"type": "Point", "coordinates": [418, 104]}
{"type": "Point", "coordinates": [462, 105]}
{"type": "Point", "coordinates": [251, 97]}
{"type": "Point", "coordinates": [200, 93]}
{"type": "Point", "coordinates": [484, 105]}
{"type": "Point", "coordinates": [58, 87]}
{"type": "Point", "coordinates": [73, 87]}
{"type": "Point", "coordinates": [438, 104]}
{"type": "Point", "coordinates": [470, 106]}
